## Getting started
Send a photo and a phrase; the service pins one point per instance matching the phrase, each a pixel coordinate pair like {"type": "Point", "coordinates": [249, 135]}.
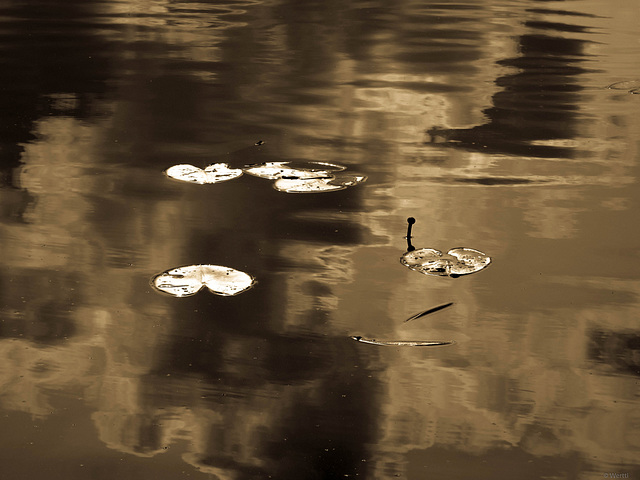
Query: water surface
{"type": "Point", "coordinates": [488, 121]}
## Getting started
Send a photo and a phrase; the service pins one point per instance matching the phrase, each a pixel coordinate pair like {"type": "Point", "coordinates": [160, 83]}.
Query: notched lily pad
{"type": "Point", "coordinates": [293, 170]}
{"type": "Point", "coordinates": [456, 262]}
{"type": "Point", "coordinates": [402, 343]}
{"type": "Point", "coordinates": [216, 173]}
{"type": "Point", "coordinates": [189, 280]}
{"type": "Point", "coordinates": [330, 183]}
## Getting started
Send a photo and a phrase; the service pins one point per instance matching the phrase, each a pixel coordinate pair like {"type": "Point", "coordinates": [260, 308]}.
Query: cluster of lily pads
{"type": "Point", "coordinates": [309, 177]}
{"type": "Point", "coordinates": [288, 177]}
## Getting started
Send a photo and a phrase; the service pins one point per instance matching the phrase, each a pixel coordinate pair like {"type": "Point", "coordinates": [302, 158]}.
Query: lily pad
{"type": "Point", "coordinates": [189, 280]}
{"type": "Point", "coordinates": [330, 183]}
{"type": "Point", "coordinates": [293, 170]}
{"type": "Point", "coordinates": [216, 173]}
{"type": "Point", "coordinates": [457, 261]}
{"type": "Point", "coordinates": [402, 343]}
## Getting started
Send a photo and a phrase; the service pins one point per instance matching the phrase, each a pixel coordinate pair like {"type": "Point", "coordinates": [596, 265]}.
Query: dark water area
{"type": "Point", "coordinates": [489, 122]}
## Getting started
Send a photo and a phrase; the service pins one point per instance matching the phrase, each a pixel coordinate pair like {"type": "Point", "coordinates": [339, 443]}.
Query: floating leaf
{"type": "Point", "coordinates": [402, 343]}
{"type": "Point", "coordinates": [457, 261]}
{"type": "Point", "coordinates": [318, 185]}
{"type": "Point", "coordinates": [293, 171]}
{"type": "Point", "coordinates": [216, 173]}
{"type": "Point", "coordinates": [189, 280]}
{"type": "Point", "coordinates": [429, 312]}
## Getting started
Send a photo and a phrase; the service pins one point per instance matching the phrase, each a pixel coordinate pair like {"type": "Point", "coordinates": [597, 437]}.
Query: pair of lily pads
{"type": "Point", "coordinates": [455, 263]}
{"type": "Point", "coordinates": [289, 177]}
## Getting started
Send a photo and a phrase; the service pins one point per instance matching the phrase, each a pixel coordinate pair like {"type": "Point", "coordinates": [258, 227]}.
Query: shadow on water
{"type": "Point", "coordinates": [620, 351]}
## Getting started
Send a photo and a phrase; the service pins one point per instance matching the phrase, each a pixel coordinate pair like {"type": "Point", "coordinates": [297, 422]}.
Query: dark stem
{"type": "Point", "coordinates": [410, 221]}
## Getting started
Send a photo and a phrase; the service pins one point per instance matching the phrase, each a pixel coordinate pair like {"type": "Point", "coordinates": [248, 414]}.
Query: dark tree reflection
{"type": "Point", "coordinates": [53, 63]}
{"type": "Point", "coordinates": [536, 105]}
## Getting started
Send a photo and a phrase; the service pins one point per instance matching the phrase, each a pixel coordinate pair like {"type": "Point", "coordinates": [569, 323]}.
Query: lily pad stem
{"type": "Point", "coordinates": [410, 222]}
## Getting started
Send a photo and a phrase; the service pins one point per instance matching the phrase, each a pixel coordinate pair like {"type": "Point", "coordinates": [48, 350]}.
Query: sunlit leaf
{"type": "Point", "coordinates": [331, 183]}
{"type": "Point", "coordinates": [456, 262]}
{"type": "Point", "coordinates": [469, 260]}
{"type": "Point", "coordinates": [179, 282]}
{"type": "Point", "coordinates": [225, 281]}
{"type": "Point", "coordinates": [189, 280]}
{"type": "Point", "coordinates": [293, 171]}
{"type": "Point", "coordinates": [402, 343]}
{"type": "Point", "coordinates": [216, 173]}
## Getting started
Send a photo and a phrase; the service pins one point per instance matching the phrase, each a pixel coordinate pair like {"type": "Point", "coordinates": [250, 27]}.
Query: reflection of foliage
{"type": "Point", "coordinates": [547, 69]}
{"type": "Point", "coordinates": [51, 74]}
{"type": "Point", "coordinates": [241, 400]}
{"type": "Point", "coordinates": [620, 351]}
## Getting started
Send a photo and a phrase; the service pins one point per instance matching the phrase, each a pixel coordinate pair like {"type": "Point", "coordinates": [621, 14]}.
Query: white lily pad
{"type": "Point", "coordinates": [457, 261]}
{"type": "Point", "coordinates": [216, 173]}
{"type": "Point", "coordinates": [318, 185]}
{"type": "Point", "coordinates": [189, 280]}
{"type": "Point", "coordinates": [293, 171]}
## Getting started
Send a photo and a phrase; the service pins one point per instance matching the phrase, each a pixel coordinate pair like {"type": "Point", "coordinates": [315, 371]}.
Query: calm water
{"type": "Point", "coordinates": [488, 121]}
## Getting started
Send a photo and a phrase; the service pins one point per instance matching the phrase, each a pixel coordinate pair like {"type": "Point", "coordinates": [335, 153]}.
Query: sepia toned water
{"type": "Point", "coordinates": [489, 122]}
